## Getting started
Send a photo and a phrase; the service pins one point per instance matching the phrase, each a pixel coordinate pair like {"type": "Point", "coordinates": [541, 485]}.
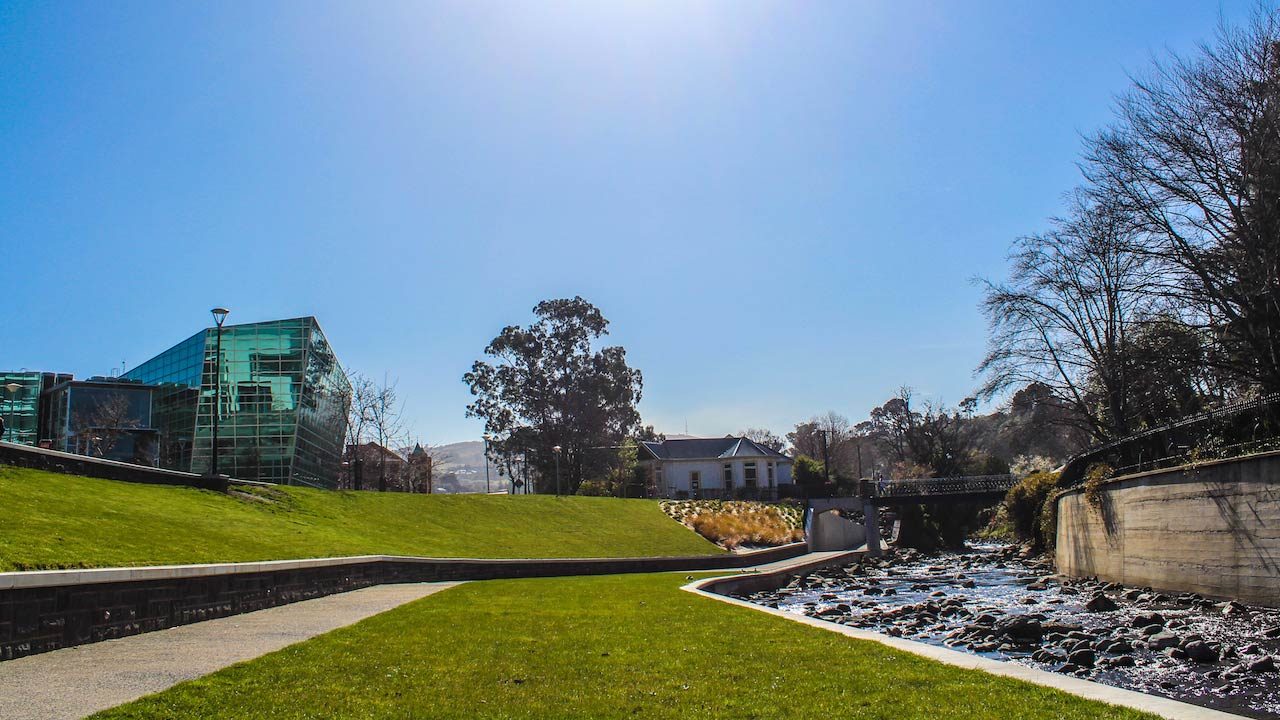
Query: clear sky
{"type": "Point", "coordinates": [779, 205]}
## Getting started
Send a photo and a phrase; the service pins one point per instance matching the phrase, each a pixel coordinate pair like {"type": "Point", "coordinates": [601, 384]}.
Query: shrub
{"type": "Point", "coordinates": [1025, 505]}
{"type": "Point", "coordinates": [1093, 478]}
{"type": "Point", "coordinates": [807, 472]}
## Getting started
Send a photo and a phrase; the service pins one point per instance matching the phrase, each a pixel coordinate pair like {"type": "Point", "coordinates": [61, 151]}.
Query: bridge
{"type": "Point", "coordinates": [831, 531]}
{"type": "Point", "coordinates": [939, 490]}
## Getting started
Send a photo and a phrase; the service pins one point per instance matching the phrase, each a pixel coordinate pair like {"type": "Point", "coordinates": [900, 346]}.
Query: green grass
{"type": "Point", "coordinates": [50, 520]}
{"type": "Point", "coordinates": [623, 646]}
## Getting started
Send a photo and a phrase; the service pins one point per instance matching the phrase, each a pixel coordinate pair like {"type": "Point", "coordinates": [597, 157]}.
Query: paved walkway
{"type": "Point", "coordinates": [79, 681]}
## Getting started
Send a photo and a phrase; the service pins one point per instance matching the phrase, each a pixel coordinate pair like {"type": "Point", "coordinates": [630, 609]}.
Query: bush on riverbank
{"type": "Point", "coordinates": [1030, 509]}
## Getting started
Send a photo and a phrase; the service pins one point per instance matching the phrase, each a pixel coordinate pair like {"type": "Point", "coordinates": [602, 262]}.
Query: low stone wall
{"type": "Point", "coordinates": [69, 463]}
{"type": "Point", "coordinates": [1212, 528]}
{"type": "Point", "coordinates": [46, 610]}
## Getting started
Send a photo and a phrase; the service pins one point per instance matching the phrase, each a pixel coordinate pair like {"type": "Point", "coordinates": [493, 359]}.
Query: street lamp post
{"type": "Point", "coordinates": [219, 317]}
{"type": "Point", "coordinates": [557, 450]}
{"type": "Point", "coordinates": [13, 389]}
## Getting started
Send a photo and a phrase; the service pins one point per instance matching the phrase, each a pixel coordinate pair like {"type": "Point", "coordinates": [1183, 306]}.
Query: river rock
{"type": "Point", "coordinates": [1163, 640]}
{"type": "Point", "coordinates": [1201, 652]}
{"type": "Point", "coordinates": [1020, 627]}
{"type": "Point", "coordinates": [1142, 620]}
{"type": "Point", "coordinates": [1117, 647]}
{"type": "Point", "coordinates": [1101, 603]}
{"type": "Point", "coordinates": [1152, 630]}
{"type": "Point", "coordinates": [968, 584]}
{"type": "Point", "coordinates": [1082, 658]}
{"type": "Point", "coordinates": [1233, 608]}
{"type": "Point", "coordinates": [1176, 653]}
{"type": "Point", "coordinates": [1264, 664]}
{"type": "Point", "coordinates": [1251, 649]}
{"type": "Point", "coordinates": [1122, 661]}
{"type": "Point", "coordinates": [1272, 632]}
{"type": "Point", "coordinates": [1048, 657]}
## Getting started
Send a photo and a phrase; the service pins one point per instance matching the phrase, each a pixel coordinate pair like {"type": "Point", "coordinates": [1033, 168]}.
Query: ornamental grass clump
{"type": "Point", "coordinates": [734, 523]}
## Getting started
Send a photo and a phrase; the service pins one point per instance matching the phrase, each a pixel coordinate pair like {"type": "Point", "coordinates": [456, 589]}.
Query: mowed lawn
{"type": "Point", "coordinates": [629, 646]}
{"type": "Point", "coordinates": [50, 520]}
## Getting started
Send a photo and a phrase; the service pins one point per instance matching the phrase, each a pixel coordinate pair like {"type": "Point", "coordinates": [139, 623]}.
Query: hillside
{"type": "Point", "coordinates": [59, 521]}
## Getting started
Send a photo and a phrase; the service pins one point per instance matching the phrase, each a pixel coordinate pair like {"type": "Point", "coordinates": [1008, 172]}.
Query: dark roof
{"type": "Point", "coordinates": [708, 448]}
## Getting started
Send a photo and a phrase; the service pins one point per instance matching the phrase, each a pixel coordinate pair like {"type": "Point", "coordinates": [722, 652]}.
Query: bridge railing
{"type": "Point", "coordinates": [919, 487]}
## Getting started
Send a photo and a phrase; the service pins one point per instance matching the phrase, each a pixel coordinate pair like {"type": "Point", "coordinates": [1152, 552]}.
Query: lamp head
{"type": "Point", "coordinates": [220, 315]}
{"type": "Point", "coordinates": [556, 449]}
{"type": "Point", "coordinates": [13, 387]}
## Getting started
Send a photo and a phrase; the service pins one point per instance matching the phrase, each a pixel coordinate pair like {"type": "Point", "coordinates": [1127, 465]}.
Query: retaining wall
{"type": "Point", "coordinates": [1211, 528]}
{"type": "Point", "coordinates": [70, 463]}
{"type": "Point", "coordinates": [46, 610]}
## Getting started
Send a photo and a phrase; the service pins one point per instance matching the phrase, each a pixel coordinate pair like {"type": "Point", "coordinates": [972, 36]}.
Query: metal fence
{"type": "Point", "coordinates": [923, 487]}
{"type": "Point", "coordinates": [1230, 431]}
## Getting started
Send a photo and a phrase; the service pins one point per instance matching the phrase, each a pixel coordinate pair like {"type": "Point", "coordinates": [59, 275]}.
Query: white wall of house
{"type": "Point", "coordinates": [677, 475]}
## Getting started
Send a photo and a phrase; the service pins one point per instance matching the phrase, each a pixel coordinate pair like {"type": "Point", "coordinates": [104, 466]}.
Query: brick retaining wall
{"type": "Point", "coordinates": [47, 610]}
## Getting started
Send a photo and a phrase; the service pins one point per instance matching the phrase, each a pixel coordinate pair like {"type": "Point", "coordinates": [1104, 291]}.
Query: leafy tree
{"type": "Point", "coordinates": [807, 473]}
{"type": "Point", "coordinates": [548, 385]}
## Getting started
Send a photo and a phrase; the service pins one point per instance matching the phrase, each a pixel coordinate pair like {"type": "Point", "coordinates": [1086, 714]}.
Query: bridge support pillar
{"type": "Point", "coordinates": [871, 517]}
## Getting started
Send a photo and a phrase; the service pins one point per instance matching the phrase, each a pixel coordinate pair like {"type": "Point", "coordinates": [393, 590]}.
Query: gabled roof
{"type": "Point", "coordinates": [709, 449]}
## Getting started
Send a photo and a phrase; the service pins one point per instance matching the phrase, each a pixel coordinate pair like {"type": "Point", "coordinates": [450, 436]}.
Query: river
{"type": "Point", "coordinates": [991, 602]}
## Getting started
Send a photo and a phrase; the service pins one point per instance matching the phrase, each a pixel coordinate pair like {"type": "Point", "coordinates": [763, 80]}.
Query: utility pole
{"type": "Point", "coordinates": [826, 459]}
{"type": "Point", "coordinates": [487, 489]}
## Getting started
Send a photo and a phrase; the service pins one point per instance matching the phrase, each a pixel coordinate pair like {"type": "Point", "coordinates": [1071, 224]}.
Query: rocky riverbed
{"type": "Point", "coordinates": [996, 603]}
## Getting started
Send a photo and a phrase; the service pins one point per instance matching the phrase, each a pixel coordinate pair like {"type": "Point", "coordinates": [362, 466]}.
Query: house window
{"type": "Point", "coordinates": [770, 466]}
{"type": "Point", "coordinates": [728, 475]}
{"type": "Point", "coordinates": [695, 481]}
{"type": "Point", "coordinates": [749, 473]}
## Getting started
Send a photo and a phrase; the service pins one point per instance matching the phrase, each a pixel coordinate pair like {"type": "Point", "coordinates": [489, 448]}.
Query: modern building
{"type": "Point", "coordinates": [727, 467]}
{"type": "Point", "coordinates": [283, 410]}
{"type": "Point", "coordinates": [102, 417]}
{"type": "Point", "coordinates": [20, 403]}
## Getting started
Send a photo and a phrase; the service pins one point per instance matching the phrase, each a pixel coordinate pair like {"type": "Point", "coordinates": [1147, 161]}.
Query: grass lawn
{"type": "Point", "coordinates": [623, 646]}
{"type": "Point", "coordinates": [50, 520]}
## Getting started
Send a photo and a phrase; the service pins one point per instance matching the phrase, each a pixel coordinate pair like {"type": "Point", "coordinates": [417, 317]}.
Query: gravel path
{"type": "Point", "coordinates": [79, 681]}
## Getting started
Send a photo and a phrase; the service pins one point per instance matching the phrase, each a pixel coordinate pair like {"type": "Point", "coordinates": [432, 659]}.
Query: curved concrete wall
{"type": "Point", "coordinates": [1212, 528]}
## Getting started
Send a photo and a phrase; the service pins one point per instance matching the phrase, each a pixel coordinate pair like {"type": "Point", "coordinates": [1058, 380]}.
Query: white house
{"type": "Point", "coordinates": [714, 468]}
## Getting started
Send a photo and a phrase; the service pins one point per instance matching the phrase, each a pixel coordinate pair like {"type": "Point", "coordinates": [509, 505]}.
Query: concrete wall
{"type": "Point", "coordinates": [831, 531]}
{"type": "Point", "coordinates": [1212, 528]}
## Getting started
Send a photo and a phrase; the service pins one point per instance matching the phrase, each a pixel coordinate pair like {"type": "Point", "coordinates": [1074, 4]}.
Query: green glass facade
{"type": "Point", "coordinates": [284, 402]}
{"type": "Point", "coordinates": [20, 407]}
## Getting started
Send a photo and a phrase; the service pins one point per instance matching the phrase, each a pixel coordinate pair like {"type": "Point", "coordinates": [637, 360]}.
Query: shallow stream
{"type": "Point", "coordinates": [993, 603]}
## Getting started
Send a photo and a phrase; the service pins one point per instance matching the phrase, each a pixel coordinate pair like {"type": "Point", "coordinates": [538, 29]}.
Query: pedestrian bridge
{"type": "Point", "coordinates": [940, 490]}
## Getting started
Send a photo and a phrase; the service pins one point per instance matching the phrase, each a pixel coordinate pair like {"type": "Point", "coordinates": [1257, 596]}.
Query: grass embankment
{"type": "Point", "coordinates": [49, 520]}
{"type": "Point", "coordinates": [733, 523]}
{"type": "Point", "coordinates": [629, 646]}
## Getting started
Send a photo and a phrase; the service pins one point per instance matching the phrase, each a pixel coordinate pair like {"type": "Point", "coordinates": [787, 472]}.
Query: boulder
{"type": "Point", "coordinates": [1143, 620]}
{"type": "Point", "coordinates": [1201, 652]}
{"type": "Point", "coordinates": [1122, 661]}
{"type": "Point", "coordinates": [1163, 640]}
{"type": "Point", "coordinates": [1101, 603]}
{"type": "Point", "coordinates": [1019, 627]}
{"type": "Point", "coordinates": [1082, 658]}
{"type": "Point", "coordinates": [1264, 664]}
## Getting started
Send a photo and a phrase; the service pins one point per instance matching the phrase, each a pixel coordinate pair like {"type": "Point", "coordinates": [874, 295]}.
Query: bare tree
{"type": "Point", "coordinates": [1066, 315]}
{"type": "Point", "coordinates": [359, 420]}
{"type": "Point", "coordinates": [109, 418]}
{"type": "Point", "coordinates": [1195, 158]}
{"type": "Point", "coordinates": [386, 423]}
{"type": "Point", "coordinates": [765, 438]}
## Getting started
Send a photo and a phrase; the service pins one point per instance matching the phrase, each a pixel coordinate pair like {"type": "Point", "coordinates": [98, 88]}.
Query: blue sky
{"type": "Point", "coordinates": [779, 206]}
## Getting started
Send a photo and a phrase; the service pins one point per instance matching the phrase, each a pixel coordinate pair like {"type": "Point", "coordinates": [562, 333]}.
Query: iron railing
{"type": "Point", "coordinates": [929, 487]}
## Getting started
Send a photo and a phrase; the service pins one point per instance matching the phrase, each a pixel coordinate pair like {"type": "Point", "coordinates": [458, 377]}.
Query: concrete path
{"type": "Point", "coordinates": [79, 681]}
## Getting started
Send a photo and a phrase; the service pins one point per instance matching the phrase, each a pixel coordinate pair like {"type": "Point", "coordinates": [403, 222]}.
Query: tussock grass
{"type": "Point", "coordinates": [733, 523]}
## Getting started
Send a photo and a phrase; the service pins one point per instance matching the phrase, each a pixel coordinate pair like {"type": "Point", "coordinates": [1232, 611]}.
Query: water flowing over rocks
{"type": "Point", "coordinates": [1002, 604]}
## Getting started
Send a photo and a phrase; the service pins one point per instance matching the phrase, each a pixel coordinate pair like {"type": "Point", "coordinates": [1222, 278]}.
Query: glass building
{"type": "Point", "coordinates": [101, 417]}
{"type": "Point", "coordinates": [284, 402]}
{"type": "Point", "coordinates": [20, 405]}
